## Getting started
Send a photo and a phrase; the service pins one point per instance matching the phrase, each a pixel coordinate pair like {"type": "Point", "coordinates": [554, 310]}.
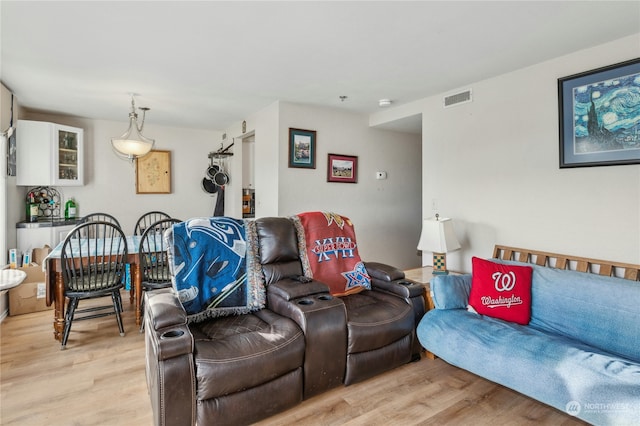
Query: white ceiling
{"type": "Point", "coordinates": [211, 64]}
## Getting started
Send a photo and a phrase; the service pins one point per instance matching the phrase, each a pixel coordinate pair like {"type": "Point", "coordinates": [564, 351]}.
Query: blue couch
{"type": "Point", "coordinates": [580, 353]}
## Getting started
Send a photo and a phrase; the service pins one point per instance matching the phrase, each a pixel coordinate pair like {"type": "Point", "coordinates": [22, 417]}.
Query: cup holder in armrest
{"type": "Point", "coordinates": [325, 297]}
{"type": "Point", "coordinates": [406, 283]}
{"type": "Point", "coordinates": [305, 302]}
{"type": "Point", "coordinates": [171, 334]}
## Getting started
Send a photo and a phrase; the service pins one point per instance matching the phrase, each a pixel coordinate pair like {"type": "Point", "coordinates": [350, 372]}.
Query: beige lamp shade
{"type": "Point", "coordinates": [438, 236]}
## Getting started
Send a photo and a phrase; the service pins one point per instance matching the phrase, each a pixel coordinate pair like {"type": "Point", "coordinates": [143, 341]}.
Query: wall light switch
{"type": "Point", "coordinates": [381, 175]}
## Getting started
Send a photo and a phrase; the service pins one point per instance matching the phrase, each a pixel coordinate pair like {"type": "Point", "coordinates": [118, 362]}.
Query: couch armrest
{"type": "Point", "coordinates": [170, 367]}
{"type": "Point", "coordinates": [323, 320]}
{"type": "Point", "coordinates": [383, 272]}
{"type": "Point", "coordinates": [166, 321]}
{"type": "Point", "coordinates": [391, 280]}
{"type": "Point", "coordinates": [292, 288]}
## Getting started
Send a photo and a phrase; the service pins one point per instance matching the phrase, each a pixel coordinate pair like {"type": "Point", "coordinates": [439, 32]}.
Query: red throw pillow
{"type": "Point", "coordinates": [501, 291]}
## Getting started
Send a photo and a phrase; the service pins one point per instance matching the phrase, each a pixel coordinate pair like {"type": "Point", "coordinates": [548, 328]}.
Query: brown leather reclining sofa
{"type": "Point", "coordinates": [243, 368]}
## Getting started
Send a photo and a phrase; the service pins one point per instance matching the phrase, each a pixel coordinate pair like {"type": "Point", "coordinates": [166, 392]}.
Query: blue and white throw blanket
{"type": "Point", "coordinates": [214, 270]}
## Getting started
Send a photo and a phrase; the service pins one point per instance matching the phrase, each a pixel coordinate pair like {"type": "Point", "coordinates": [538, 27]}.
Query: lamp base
{"type": "Point", "coordinates": [440, 264]}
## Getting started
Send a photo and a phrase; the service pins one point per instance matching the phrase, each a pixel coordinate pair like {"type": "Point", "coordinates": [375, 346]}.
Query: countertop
{"type": "Point", "coordinates": [46, 222]}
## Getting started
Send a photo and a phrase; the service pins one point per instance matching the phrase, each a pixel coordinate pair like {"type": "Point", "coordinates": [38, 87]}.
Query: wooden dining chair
{"type": "Point", "coordinates": [93, 268]}
{"type": "Point", "coordinates": [99, 217]}
{"type": "Point", "coordinates": [154, 262]}
{"type": "Point", "coordinates": [147, 219]}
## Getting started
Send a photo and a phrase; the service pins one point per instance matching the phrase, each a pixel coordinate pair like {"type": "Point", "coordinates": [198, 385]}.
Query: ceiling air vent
{"type": "Point", "coordinates": [458, 98]}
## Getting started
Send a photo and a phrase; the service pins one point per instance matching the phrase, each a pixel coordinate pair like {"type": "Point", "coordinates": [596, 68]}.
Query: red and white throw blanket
{"type": "Point", "coordinates": [329, 251]}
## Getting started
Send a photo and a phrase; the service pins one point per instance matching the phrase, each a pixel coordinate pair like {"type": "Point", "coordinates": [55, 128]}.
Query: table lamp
{"type": "Point", "coordinates": [438, 237]}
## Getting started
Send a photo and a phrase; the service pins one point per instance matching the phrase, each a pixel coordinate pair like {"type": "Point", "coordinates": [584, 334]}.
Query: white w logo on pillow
{"type": "Point", "coordinates": [504, 282]}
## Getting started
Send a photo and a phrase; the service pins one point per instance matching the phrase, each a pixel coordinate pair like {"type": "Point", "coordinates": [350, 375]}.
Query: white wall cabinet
{"type": "Point", "coordinates": [49, 154]}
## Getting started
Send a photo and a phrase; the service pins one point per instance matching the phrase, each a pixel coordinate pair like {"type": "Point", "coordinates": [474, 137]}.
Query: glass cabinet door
{"type": "Point", "coordinates": [68, 170]}
{"type": "Point", "coordinates": [67, 155]}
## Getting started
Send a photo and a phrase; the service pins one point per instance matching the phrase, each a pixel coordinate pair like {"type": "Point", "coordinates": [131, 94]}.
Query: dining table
{"type": "Point", "coordinates": [55, 283]}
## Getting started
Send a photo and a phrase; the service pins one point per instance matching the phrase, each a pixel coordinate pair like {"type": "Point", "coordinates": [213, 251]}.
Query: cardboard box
{"type": "Point", "coordinates": [31, 296]}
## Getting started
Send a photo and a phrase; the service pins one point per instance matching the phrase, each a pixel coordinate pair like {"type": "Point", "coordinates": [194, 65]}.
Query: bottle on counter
{"type": "Point", "coordinates": [70, 209]}
{"type": "Point", "coordinates": [32, 208]}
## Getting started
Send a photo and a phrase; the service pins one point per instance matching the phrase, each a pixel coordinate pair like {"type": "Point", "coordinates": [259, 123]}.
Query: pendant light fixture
{"type": "Point", "coordinates": [132, 143]}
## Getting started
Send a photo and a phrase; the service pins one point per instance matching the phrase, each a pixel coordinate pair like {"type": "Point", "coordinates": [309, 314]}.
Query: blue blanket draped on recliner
{"type": "Point", "coordinates": [210, 259]}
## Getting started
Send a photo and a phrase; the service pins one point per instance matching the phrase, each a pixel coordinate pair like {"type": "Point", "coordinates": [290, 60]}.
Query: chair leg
{"type": "Point", "coordinates": [117, 302]}
{"type": "Point", "coordinates": [120, 308]}
{"type": "Point", "coordinates": [68, 319]}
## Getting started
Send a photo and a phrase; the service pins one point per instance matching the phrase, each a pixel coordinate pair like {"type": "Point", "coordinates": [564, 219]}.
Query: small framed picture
{"type": "Point", "coordinates": [302, 148]}
{"type": "Point", "coordinates": [599, 116]}
{"type": "Point", "coordinates": [342, 168]}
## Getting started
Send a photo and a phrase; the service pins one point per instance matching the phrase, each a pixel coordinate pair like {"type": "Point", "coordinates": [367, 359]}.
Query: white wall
{"type": "Point", "coordinates": [9, 194]}
{"type": "Point", "coordinates": [386, 213]}
{"type": "Point", "coordinates": [492, 166]}
{"type": "Point", "coordinates": [110, 182]}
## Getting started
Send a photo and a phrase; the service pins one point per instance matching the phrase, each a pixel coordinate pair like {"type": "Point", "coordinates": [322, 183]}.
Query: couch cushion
{"type": "Point", "coordinates": [601, 311]}
{"type": "Point", "coordinates": [450, 291]}
{"type": "Point", "coordinates": [239, 352]}
{"type": "Point", "coordinates": [329, 252]}
{"type": "Point", "coordinates": [554, 369]}
{"type": "Point", "coordinates": [213, 267]}
{"type": "Point", "coordinates": [501, 291]}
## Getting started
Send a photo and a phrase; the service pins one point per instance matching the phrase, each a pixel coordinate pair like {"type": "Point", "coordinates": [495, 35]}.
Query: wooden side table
{"type": "Point", "coordinates": [422, 276]}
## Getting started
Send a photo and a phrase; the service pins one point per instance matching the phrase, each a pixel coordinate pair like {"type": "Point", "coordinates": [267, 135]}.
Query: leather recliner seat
{"type": "Point", "coordinates": [239, 358]}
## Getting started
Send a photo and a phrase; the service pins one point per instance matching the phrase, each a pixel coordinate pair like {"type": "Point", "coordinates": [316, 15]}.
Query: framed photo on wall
{"type": "Point", "coordinates": [342, 168]}
{"type": "Point", "coordinates": [153, 173]}
{"type": "Point", "coordinates": [600, 116]}
{"type": "Point", "coordinates": [302, 148]}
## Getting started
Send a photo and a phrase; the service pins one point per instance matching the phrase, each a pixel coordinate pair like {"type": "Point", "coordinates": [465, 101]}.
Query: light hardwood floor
{"type": "Point", "coordinates": [99, 380]}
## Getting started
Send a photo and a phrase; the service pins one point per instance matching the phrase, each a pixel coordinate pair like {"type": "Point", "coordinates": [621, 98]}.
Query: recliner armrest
{"type": "Point", "coordinates": [383, 272]}
{"type": "Point", "coordinates": [391, 280]}
{"type": "Point", "coordinates": [170, 366]}
{"type": "Point", "coordinates": [403, 288]}
{"type": "Point", "coordinates": [166, 321]}
{"type": "Point", "coordinates": [290, 288]}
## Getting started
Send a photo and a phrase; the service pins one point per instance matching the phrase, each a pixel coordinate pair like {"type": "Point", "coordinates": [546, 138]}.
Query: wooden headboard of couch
{"type": "Point", "coordinates": [562, 261]}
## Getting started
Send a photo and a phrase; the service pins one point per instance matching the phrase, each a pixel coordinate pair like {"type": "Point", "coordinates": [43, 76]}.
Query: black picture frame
{"type": "Point", "coordinates": [599, 125]}
{"type": "Point", "coordinates": [302, 148]}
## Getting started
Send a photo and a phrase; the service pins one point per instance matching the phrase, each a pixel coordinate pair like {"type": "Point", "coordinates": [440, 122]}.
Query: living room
{"type": "Point", "coordinates": [490, 164]}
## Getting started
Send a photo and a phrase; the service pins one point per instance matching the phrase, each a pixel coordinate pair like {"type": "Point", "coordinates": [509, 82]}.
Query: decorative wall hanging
{"type": "Point", "coordinates": [153, 173]}
{"type": "Point", "coordinates": [342, 168]}
{"type": "Point", "coordinates": [600, 116]}
{"type": "Point", "coordinates": [11, 155]}
{"type": "Point", "coordinates": [302, 148]}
